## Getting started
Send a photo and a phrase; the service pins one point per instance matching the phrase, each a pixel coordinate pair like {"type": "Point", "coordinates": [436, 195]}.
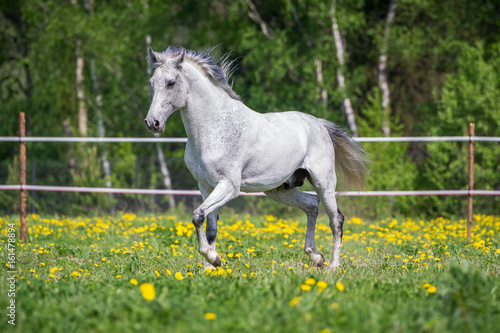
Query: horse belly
{"type": "Point", "coordinates": [273, 165]}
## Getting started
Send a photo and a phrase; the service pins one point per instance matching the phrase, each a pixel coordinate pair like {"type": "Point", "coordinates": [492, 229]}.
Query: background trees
{"type": "Point", "coordinates": [440, 60]}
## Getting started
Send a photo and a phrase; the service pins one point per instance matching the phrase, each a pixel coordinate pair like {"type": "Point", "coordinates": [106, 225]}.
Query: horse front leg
{"type": "Point", "coordinates": [221, 194]}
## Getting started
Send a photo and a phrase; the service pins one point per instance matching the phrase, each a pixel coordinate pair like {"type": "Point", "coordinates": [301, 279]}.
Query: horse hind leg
{"type": "Point", "coordinates": [307, 203]}
{"type": "Point", "coordinates": [324, 180]}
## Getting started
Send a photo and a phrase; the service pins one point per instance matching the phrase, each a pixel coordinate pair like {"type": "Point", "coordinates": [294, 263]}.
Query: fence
{"type": "Point", "coordinates": [22, 187]}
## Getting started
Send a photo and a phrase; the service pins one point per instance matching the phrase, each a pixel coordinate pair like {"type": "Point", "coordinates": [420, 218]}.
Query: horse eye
{"type": "Point", "coordinates": [170, 84]}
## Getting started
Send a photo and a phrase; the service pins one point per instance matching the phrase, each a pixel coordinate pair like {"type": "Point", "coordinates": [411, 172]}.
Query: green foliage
{"type": "Point", "coordinates": [391, 168]}
{"type": "Point", "coordinates": [442, 71]}
{"type": "Point", "coordinates": [88, 173]}
{"type": "Point", "coordinates": [472, 95]}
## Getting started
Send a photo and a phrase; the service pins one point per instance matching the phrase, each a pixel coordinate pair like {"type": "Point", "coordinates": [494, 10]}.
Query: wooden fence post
{"type": "Point", "coordinates": [471, 179]}
{"type": "Point", "coordinates": [22, 175]}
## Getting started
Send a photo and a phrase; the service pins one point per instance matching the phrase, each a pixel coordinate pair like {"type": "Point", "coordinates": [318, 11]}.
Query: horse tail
{"type": "Point", "coordinates": [351, 161]}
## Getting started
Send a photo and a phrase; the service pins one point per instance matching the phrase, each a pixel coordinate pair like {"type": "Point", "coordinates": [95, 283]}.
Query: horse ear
{"type": "Point", "coordinates": [153, 56]}
{"type": "Point", "coordinates": [180, 57]}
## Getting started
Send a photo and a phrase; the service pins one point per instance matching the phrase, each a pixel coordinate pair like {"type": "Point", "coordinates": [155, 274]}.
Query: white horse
{"type": "Point", "coordinates": [232, 148]}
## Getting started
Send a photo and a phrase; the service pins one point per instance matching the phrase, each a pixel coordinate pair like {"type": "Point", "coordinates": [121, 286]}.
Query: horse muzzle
{"type": "Point", "coordinates": [154, 125]}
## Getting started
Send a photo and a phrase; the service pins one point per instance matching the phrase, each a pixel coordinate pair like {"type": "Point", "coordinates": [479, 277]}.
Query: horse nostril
{"type": "Point", "coordinates": [157, 124]}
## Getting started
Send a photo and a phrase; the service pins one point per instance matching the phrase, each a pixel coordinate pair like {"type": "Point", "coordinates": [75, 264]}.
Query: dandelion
{"type": "Point", "coordinates": [294, 301]}
{"type": "Point", "coordinates": [134, 282]}
{"type": "Point", "coordinates": [210, 316]}
{"type": "Point", "coordinates": [157, 273]}
{"type": "Point", "coordinates": [178, 276]}
{"type": "Point", "coordinates": [321, 285]}
{"type": "Point", "coordinates": [310, 281]}
{"type": "Point", "coordinates": [75, 273]}
{"type": "Point", "coordinates": [148, 291]}
{"type": "Point", "coordinates": [53, 269]}
{"type": "Point", "coordinates": [305, 287]}
{"type": "Point", "coordinates": [340, 286]}
{"type": "Point", "coordinates": [118, 276]}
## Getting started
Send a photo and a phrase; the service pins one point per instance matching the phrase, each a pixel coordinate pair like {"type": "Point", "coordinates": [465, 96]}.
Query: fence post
{"type": "Point", "coordinates": [22, 175]}
{"type": "Point", "coordinates": [471, 179]}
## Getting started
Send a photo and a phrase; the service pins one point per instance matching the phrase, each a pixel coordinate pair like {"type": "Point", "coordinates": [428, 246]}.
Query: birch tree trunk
{"type": "Point", "coordinates": [382, 71]}
{"type": "Point", "coordinates": [161, 157]}
{"type": "Point", "coordinates": [349, 112]}
{"type": "Point", "coordinates": [100, 125]}
{"type": "Point", "coordinates": [254, 15]}
{"type": "Point", "coordinates": [80, 90]}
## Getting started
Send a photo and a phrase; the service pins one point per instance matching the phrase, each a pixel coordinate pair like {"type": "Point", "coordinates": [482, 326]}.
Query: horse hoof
{"type": "Point", "coordinates": [321, 262]}
{"type": "Point", "coordinates": [218, 261]}
{"type": "Point", "coordinates": [317, 258]}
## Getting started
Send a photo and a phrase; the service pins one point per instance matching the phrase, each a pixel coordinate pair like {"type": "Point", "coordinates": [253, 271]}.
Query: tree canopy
{"type": "Point", "coordinates": [442, 67]}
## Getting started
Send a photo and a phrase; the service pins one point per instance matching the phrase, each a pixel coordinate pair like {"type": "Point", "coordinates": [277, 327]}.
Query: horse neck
{"type": "Point", "coordinates": [208, 107]}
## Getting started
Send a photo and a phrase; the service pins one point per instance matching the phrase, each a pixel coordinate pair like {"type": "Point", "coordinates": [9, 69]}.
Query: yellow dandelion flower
{"type": "Point", "coordinates": [431, 290]}
{"type": "Point", "coordinates": [157, 273]}
{"type": "Point", "coordinates": [294, 301]}
{"type": "Point", "coordinates": [310, 281]}
{"type": "Point", "coordinates": [134, 282]}
{"type": "Point", "coordinates": [305, 287]}
{"type": "Point", "coordinates": [178, 276]}
{"type": "Point", "coordinates": [340, 286]}
{"type": "Point", "coordinates": [148, 291]}
{"type": "Point", "coordinates": [75, 273]}
{"type": "Point", "coordinates": [427, 285]}
{"type": "Point", "coordinates": [322, 284]}
{"type": "Point", "coordinates": [210, 316]}
{"type": "Point", "coordinates": [53, 269]}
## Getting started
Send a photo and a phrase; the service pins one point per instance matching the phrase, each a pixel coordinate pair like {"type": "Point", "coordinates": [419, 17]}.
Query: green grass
{"type": "Point", "coordinates": [389, 271]}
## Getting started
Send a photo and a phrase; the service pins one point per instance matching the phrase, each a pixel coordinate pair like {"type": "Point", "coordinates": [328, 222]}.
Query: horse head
{"type": "Point", "coordinates": [169, 87]}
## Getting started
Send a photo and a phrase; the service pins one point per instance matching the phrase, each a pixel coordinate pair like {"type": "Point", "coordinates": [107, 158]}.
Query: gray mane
{"type": "Point", "coordinates": [217, 68]}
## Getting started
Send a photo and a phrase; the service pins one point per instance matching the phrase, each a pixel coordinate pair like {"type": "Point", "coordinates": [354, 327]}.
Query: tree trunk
{"type": "Point", "coordinates": [254, 15]}
{"type": "Point", "coordinates": [100, 125]}
{"type": "Point", "coordinates": [349, 112]}
{"type": "Point", "coordinates": [382, 71]}
{"type": "Point", "coordinates": [80, 91]}
{"type": "Point", "coordinates": [161, 158]}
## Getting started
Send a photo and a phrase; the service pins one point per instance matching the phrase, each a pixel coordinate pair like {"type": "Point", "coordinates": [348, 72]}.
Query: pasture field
{"type": "Point", "coordinates": [128, 273]}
